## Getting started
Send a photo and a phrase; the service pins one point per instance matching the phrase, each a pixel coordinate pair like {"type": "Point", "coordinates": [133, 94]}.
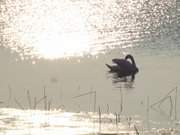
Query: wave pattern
{"type": "Point", "coordinates": [34, 28]}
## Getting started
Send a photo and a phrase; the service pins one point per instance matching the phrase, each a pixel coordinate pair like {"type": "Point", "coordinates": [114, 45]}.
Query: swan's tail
{"type": "Point", "coordinates": [109, 66]}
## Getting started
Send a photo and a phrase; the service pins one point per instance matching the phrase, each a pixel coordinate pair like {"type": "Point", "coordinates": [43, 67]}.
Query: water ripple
{"type": "Point", "coordinates": [56, 29]}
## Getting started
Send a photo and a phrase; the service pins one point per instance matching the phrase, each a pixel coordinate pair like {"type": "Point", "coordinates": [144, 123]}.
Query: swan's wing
{"type": "Point", "coordinates": [124, 64]}
{"type": "Point", "coordinates": [121, 62]}
{"type": "Point", "coordinates": [114, 68]}
{"type": "Point", "coordinates": [118, 61]}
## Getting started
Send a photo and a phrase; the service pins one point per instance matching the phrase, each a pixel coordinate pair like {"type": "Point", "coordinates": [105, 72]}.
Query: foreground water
{"type": "Point", "coordinates": [149, 105]}
{"type": "Point", "coordinates": [35, 122]}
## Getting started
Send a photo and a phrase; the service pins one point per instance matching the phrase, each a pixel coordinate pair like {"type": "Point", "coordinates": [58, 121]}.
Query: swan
{"type": "Point", "coordinates": [123, 67]}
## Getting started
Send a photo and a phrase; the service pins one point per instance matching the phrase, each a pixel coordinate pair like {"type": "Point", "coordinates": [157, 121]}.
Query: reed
{"type": "Point", "coordinates": [116, 119]}
{"type": "Point", "coordinates": [88, 93]}
{"type": "Point", "coordinates": [175, 104]}
{"type": "Point", "coordinates": [61, 94]}
{"type": "Point", "coordinates": [159, 102]}
{"type": "Point", "coordinates": [107, 108]}
{"type": "Point", "coordinates": [49, 105]}
{"type": "Point", "coordinates": [119, 117]}
{"type": "Point", "coordinates": [172, 97]}
{"type": "Point", "coordinates": [121, 101]}
{"type": "Point", "coordinates": [94, 100]}
{"type": "Point", "coordinates": [147, 112]}
{"type": "Point", "coordinates": [137, 132]}
{"type": "Point", "coordinates": [9, 95]}
{"type": "Point", "coordinates": [29, 99]}
{"type": "Point", "coordinates": [35, 103]}
{"type": "Point", "coordinates": [129, 120]}
{"type": "Point", "coordinates": [171, 106]}
{"type": "Point", "coordinates": [18, 103]}
{"type": "Point", "coordinates": [99, 110]}
{"type": "Point", "coordinates": [45, 99]}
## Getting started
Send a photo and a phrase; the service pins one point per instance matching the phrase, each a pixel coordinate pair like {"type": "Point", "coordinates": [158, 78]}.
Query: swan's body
{"type": "Point", "coordinates": [123, 67]}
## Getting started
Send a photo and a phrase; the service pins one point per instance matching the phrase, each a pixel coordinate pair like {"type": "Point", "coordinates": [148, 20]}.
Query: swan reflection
{"type": "Point", "coordinates": [122, 82]}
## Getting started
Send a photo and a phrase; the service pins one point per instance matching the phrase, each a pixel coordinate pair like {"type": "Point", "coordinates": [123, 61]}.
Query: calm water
{"type": "Point", "coordinates": [53, 55]}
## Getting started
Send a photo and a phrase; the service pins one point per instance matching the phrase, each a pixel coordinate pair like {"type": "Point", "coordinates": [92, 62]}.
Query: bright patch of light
{"type": "Point", "coordinates": [48, 29]}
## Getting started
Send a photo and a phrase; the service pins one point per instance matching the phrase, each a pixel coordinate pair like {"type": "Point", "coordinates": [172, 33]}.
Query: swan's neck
{"type": "Point", "coordinates": [131, 58]}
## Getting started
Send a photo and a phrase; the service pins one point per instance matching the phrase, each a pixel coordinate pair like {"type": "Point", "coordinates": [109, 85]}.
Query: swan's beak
{"type": "Point", "coordinates": [137, 70]}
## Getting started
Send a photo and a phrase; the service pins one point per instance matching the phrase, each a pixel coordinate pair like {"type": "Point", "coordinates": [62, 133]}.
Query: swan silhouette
{"type": "Point", "coordinates": [123, 67]}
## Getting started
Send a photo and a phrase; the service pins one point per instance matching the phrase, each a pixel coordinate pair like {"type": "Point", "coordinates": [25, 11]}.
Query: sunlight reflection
{"type": "Point", "coordinates": [47, 29]}
{"type": "Point", "coordinates": [57, 122]}
{"type": "Point", "coordinates": [64, 28]}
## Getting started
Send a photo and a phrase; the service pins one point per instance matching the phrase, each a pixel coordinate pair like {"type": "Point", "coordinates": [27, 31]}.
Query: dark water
{"type": "Point", "coordinates": [44, 53]}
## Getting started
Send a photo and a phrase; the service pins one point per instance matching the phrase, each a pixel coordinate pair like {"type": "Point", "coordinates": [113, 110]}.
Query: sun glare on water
{"type": "Point", "coordinates": [46, 29]}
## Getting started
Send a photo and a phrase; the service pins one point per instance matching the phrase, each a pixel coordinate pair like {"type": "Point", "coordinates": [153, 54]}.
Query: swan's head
{"type": "Point", "coordinates": [136, 69]}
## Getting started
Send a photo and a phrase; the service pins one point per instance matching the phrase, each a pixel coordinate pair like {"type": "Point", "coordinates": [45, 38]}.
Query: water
{"type": "Point", "coordinates": [34, 122]}
{"type": "Point", "coordinates": [53, 56]}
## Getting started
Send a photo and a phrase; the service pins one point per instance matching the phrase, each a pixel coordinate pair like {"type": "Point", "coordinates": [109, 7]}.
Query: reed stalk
{"type": "Point", "coordinates": [88, 93]}
{"type": "Point", "coordinates": [49, 105]}
{"type": "Point", "coordinates": [99, 110]}
{"type": "Point", "coordinates": [121, 101]}
{"type": "Point", "coordinates": [171, 106]}
{"type": "Point", "coordinates": [29, 99]}
{"type": "Point", "coordinates": [137, 132]}
{"type": "Point", "coordinates": [9, 96]}
{"type": "Point", "coordinates": [17, 102]}
{"type": "Point", "coordinates": [116, 115]}
{"type": "Point", "coordinates": [116, 118]}
{"type": "Point", "coordinates": [164, 98]}
{"type": "Point", "coordinates": [45, 99]}
{"type": "Point", "coordinates": [175, 104]}
{"type": "Point", "coordinates": [147, 112]}
{"type": "Point", "coordinates": [119, 117]}
{"type": "Point", "coordinates": [107, 108]}
{"type": "Point", "coordinates": [95, 101]}
{"type": "Point", "coordinates": [35, 102]}
{"type": "Point", "coordinates": [129, 119]}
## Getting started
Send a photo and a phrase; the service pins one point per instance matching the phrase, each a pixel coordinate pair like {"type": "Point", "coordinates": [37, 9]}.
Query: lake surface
{"type": "Point", "coordinates": [34, 122]}
{"type": "Point", "coordinates": [53, 56]}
